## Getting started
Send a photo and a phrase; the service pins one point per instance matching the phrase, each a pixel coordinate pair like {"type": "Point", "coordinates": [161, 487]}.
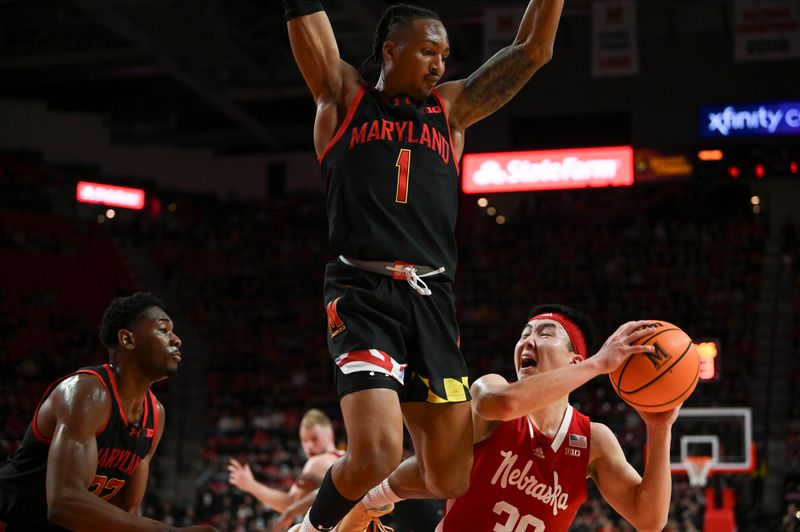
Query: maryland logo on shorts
{"type": "Point", "coordinates": [335, 323]}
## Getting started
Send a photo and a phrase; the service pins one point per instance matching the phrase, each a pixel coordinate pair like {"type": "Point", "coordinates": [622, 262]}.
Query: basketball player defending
{"type": "Point", "coordinates": [533, 451]}
{"type": "Point", "coordinates": [317, 440]}
{"type": "Point", "coordinates": [390, 154]}
{"type": "Point", "coordinates": [84, 460]}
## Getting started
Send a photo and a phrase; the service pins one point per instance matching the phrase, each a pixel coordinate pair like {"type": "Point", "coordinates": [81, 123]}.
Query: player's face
{"type": "Point", "coordinates": [543, 346]}
{"type": "Point", "coordinates": [316, 439]}
{"type": "Point", "coordinates": [156, 344]}
{"type": "Point", "coordinates": [416, 61]}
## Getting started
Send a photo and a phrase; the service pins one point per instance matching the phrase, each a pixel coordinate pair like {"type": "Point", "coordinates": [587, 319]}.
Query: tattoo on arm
{"type": "Point", "coordinates": [494, 84]}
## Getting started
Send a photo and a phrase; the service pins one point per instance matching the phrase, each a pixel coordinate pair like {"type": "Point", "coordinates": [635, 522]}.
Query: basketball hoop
{"type": "Point", "coordinates": [697, 467]}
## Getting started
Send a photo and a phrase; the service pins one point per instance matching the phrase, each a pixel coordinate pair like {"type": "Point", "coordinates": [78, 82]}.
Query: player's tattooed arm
{"type": "Point", "coordinates": [502, 76]}
{"type": "Point", "coordinates": [493, 85]}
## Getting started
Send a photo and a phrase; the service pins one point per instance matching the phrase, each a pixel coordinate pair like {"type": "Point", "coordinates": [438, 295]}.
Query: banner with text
{"type": "Point", "coordinates": [487, 173]}
{"type": "Point", "coordinates": [766, 29]}
{"type": "Point", "coordinates": [750, 120]}
{"type": "Point", "coordinates": [110, 195]}
{"type": "Point", "coordinates": [615, 46]}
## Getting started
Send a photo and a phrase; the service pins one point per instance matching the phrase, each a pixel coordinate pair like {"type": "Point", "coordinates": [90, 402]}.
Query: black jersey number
{"type": "Point", "coordinates": [403, 165]}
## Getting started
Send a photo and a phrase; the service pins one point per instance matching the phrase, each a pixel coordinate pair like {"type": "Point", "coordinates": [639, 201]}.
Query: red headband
{"type": "Point", "coordinates": [574, 333]}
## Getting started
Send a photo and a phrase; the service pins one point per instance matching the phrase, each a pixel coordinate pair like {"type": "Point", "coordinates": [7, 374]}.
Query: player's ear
{"type": "Point", "coordinates": [389, 49]}
{"type": "Point", "coordinates": [125, 339]}
{"type": "Point", "coordinates": [575, 358]}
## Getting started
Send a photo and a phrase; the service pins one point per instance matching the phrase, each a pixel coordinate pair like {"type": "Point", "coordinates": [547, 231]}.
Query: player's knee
{"type": "Point", "coordinates": [447, 484]}
{"type": "Point", "coordinates": [370, 466]}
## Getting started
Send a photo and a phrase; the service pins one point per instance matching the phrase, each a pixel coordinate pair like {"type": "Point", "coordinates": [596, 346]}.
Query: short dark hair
{"type": "Point", "coordinates": [394, 18]}
{"type": "Point", "coordinates": [580, 319]}
{"type": "Point", "coordinates": [122, 313]}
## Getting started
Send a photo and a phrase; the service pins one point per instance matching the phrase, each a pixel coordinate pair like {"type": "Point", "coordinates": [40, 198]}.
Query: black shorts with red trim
{"type": "Point", "coordinates": [383, 334]}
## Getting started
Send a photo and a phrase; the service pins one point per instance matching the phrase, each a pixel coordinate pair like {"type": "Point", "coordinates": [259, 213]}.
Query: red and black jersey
{"type": "Point", "coordinates": [522, 480]}
{"type": "Point", "coordinates": [392, 181]}
{"type": "Point", "coordinates": [121, 446]}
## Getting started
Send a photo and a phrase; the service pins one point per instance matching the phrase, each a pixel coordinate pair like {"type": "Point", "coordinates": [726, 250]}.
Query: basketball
{"type": "Point", "coordinates": [659, 381]}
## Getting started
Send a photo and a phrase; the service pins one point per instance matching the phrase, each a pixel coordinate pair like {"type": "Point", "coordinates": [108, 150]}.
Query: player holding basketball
{"type": "Point", "coordinates": [84, 460]}
{"type": "Point", "coordinates": [317, 440]}
{"type": "Point", "coordinates": [390, 154]}
{"type": "Point", "coordinates": [533, 451]}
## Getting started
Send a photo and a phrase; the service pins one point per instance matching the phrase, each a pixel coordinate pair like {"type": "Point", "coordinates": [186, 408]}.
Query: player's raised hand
{"type": "Point", "coordinates": [622, 344]}
{"type": "Point", "coordinates": [240, 475]}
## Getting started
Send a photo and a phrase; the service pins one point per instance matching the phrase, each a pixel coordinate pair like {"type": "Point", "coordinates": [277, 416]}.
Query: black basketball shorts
{"type": "Point", "coordinates": [383, 334]}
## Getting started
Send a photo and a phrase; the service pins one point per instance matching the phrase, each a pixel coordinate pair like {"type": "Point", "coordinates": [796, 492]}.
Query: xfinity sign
{"type": "Point", "coordinates": [485, 173]}
{"type": "Point", "coordinates": [752, 120]}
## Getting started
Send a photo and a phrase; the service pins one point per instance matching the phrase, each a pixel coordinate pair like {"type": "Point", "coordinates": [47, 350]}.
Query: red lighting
{"type": "Point", "coordinates": [547, 170]}
{"type": "Point", "coordinates": [759, 171]}
{"type": "Point", "coordinates": [111, 195]}
{"type": "Point", "coordinates": [733, 171]}
{"type": "Point", "coordinates": [793, 167]}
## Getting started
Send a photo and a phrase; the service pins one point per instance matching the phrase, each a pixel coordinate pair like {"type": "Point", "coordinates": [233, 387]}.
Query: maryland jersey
{"type": "Point", "coordinates": [523, 481]}
{"type": "Point", "coordinates": [121, 446]}
{"type": "Point", "coordinates": [392, 182]}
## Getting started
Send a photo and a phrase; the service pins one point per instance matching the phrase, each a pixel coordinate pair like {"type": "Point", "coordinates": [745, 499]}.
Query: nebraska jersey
{"type": "Point", "coordinates": [121, 446]}
{"type": "Point", "coordinates": [523, 481]}
{"type": "Point", "coordinates": [392, 182]}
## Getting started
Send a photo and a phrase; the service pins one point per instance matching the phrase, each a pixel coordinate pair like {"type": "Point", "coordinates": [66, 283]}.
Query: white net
{"type": "Point", "coordinates": [697, 467]}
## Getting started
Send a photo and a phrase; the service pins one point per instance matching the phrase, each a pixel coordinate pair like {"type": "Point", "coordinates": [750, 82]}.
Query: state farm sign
{"type": "Point", "coordinates": [485, 173]}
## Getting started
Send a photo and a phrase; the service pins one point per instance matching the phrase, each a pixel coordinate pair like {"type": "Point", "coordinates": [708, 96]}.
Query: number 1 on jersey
{"type": "Point", "coordinates": [403, 165]}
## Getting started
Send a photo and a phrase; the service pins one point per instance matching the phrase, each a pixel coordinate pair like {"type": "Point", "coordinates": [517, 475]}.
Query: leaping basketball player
{"type": "Point", "coordinates": [533, 451]}
{"type": "Point", "coordinates": [390, 154]}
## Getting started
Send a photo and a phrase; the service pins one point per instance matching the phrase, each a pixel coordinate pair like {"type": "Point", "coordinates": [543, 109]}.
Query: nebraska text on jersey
{"type": "Point", "coordinates": [509, 476]}
{"type": "Point", "coordinates": [392, 131]}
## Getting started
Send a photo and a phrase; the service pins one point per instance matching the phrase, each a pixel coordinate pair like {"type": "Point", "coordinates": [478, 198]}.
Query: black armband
{"type": "Point", "coordinates": [298, 8]}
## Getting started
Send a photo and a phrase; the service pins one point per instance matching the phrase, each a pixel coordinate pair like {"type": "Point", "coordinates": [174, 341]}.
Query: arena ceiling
{"type": "Point", "coordinates": [219, 74]}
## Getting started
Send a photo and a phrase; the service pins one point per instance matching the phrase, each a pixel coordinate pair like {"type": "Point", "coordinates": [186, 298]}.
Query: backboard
{"type": "Point", "coordinates": [724, 434]}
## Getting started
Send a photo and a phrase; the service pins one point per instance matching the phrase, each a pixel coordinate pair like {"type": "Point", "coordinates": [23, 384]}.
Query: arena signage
{"type": "Point", "coordinates": [752, 120]}
{"type": "Point", "coordinates": [111, 195]}
{"type": "Point", "coordinates": [486, 173]}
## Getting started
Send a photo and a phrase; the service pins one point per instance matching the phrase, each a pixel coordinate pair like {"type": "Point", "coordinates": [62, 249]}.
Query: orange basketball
{"type": "Point", "coordinates": [659, 381]}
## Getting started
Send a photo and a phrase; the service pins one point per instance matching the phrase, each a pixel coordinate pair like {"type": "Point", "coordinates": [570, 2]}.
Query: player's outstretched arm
{"type": "Point", "coordinates": [241, 476]}
{"type": "Point", "coordinates": [495, 399]}
{"type": "Point", "coordinates": [644, 502]}
{"type": "Point", "coordinates": [81, 406]}
{"type": "Point", "coordinates": [501, 77]}
{"type": "Point", "coordinates": [332, 82]}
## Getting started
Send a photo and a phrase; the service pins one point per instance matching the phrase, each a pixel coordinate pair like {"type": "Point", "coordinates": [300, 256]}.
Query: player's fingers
{"type": "Point", "coordinates": [635, 326]}
{"type": "Point", "coordinates": [235, 462]}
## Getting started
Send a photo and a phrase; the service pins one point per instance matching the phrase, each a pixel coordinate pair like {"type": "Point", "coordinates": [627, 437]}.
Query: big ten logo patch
{"type": "Point", "coordinates": [569, 451]}
{"type": "Point", "coordinates": [335, 323]}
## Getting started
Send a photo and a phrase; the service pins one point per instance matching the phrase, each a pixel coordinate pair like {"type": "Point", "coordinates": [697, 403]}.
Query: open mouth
{"type": "Point", "coordinates": [528, 361]}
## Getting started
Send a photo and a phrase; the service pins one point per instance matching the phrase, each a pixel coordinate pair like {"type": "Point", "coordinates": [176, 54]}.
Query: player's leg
{"type": "Point", "coordinates": [375, 445]}
{"type": "Point", "coordinates": [437, 409]}
{"type": "Point", "coordinates": [442, 435]}
{"type": "Point", "coordinates": [366, 343]}
{"type": "Point", "coordinates": [374, 426]}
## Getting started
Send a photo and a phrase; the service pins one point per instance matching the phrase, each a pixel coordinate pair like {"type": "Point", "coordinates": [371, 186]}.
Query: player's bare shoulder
{"type": "Point", "coordinates": [81, 397]}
